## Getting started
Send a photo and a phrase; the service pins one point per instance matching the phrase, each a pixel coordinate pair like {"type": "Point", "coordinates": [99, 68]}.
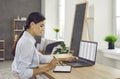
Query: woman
{"type": "Point", "coordinates": [27, 59]}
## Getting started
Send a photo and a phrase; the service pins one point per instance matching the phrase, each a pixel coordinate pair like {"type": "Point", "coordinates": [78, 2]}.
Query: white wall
{"type": "Point", "coordinates": [52, 18]}
{"type": "Point", "coordinates": [103, 21]}
{"type": "Point", "coordinates": [69, 18]}
{"type": "Point", "coordinates": [51, 14]}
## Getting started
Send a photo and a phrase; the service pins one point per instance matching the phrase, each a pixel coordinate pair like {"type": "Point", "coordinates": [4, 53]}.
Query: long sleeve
{"type": "Point", "coordinates": [45, 58]}
{"type": "Point", "coordinates": [25, 59]}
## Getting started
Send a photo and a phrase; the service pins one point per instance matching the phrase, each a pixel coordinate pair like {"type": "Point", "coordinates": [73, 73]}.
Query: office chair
{"type": "Point", "coordinates": [50, 47]}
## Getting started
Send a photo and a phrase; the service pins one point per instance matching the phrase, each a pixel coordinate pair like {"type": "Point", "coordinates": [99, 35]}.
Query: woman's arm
{"type": "Point", "coordinates": [48, 67]}
{"type": "Point", "coordinates": [66, 59]}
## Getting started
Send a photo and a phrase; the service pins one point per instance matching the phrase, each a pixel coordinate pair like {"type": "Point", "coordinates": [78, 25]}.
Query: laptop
{"type": "Point", "coordinates": [86, 55]}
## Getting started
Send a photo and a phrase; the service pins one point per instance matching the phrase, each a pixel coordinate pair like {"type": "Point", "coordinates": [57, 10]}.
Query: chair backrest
{"type": "Point", "coordinates": [50, 46]}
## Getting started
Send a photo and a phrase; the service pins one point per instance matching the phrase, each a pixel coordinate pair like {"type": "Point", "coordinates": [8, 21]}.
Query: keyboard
{"type": "Point", "coordinates": [76, 60]}
{"type": "Point", "coordinates": [78, 63]}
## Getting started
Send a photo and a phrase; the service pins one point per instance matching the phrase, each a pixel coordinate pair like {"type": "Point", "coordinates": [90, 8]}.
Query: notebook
{"type": "Point", "coordinates": [86, 55]}
{"type": "Point", "coordinates": [65, 69]}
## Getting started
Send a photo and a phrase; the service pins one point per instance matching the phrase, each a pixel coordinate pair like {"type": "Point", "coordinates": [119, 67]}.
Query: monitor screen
{"type": "Point", "coordinates": [88, 50]}
{"type": "Point", "coordinates": [78, 28]}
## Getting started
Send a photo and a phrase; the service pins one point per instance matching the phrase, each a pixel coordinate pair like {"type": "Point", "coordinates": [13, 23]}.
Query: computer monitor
{"type": "Point", "coordinates": [78, 27]}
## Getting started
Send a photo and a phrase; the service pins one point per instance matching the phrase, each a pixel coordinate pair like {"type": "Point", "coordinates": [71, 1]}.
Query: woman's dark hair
{"type": "Point", "coordinates": [35, 17]}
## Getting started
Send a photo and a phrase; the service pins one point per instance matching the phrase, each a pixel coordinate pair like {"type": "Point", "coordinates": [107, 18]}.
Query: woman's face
{"type": "Point", "coordinates": [38, 28]}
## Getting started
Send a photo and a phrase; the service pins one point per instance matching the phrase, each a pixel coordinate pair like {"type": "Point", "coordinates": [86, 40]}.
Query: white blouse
{"type": "Point", "coordinates": [27, 57]}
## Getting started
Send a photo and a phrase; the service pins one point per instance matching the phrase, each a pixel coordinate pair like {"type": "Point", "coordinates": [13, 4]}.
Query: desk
{"type": "Point", "coordinates": [93, 72]}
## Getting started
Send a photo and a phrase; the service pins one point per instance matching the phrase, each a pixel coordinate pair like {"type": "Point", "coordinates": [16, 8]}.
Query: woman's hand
{"type": "Point", "coordinates": [48, 67]}
{"type": "Point", "coordinates": [53, 63]}
{"type": "Point", "coordinates": [70, 58]}
{"type": "Point", "coordinates": [67, 58]}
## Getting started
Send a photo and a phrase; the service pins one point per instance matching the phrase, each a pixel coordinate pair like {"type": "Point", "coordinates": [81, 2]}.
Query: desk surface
{"type": "Point", "coordinates": [93, 72]}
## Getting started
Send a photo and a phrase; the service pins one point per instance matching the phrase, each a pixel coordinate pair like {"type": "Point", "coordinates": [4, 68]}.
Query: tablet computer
{"type": "Point", "coordinates": [64, 69]}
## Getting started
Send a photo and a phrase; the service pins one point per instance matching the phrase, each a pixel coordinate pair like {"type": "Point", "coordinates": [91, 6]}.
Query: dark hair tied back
{"type": "Point", "coordinates": [35, 17]}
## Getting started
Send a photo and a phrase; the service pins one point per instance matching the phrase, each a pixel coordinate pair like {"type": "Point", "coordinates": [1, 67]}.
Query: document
{"type": "Point", "coordinates": [62, 69]}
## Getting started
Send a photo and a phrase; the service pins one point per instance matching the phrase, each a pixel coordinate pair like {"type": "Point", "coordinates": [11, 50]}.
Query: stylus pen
{"type": "Point", "coordinates": [58, 61]}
